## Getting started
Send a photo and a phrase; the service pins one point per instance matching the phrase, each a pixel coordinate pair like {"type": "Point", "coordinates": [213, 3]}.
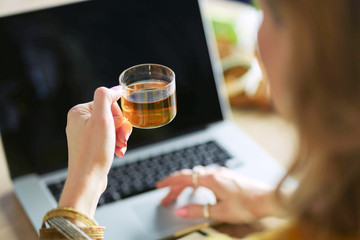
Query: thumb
{"type": "Point", "coordinates": [197, 211]}
{"type": "Point", "coordinates": [104, 98]}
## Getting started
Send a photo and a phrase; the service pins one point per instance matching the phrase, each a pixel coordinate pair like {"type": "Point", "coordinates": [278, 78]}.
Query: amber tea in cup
{"type": "Point", "coordinates": [149, 95]}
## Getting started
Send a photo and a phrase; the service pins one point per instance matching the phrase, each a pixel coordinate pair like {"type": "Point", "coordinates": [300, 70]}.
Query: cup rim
{"type": "Point", "coordinates": [149, 64]}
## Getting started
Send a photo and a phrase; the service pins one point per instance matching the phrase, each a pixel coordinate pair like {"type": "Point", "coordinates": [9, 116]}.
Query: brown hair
{"type": "Point", "coordinates": [324, 82]}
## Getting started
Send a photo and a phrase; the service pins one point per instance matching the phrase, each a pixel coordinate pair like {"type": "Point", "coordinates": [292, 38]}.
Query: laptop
{"type": "Point", "coordinates": [53, 59]}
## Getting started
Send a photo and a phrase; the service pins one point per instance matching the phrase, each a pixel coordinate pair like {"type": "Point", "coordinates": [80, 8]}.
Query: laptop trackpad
{"type": "Point", "coordinates": [161, 220]}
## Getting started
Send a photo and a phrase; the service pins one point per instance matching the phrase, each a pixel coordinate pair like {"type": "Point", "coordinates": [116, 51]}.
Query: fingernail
{"type": "Point", "coordinates": [123, 150]}
{"type": "Point", "coordinates": [120, 154]}
{"type": "Point", "coordinates": [182, 212]}
{"type": "Point", "coordinates": [118, 87]}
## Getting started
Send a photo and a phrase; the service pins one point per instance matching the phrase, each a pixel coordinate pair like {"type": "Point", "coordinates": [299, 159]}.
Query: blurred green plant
{"type": "Point", "coordinates": [225, 26]}
{"type": "Point", "coordinates": [225, 30]}
{"type": "Point", "coordinates": [256, 4]}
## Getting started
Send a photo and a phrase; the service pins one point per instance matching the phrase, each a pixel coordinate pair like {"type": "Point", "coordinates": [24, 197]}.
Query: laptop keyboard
{"type": "Point", "coordinates": [141, 176]}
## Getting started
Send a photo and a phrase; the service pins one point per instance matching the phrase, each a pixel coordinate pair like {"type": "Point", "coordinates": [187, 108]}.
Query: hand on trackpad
{"type": "Point", "coordinates": [162, 218]}
{"type": "Point", "coordinates": [199, 196]}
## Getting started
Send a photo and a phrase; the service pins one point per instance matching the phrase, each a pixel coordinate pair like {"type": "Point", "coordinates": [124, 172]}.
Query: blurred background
{"type": "Point", "coordinates": [235, 24]}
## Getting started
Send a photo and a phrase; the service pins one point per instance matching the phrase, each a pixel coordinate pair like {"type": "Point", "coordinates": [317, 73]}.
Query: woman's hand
{"type": "Point", "coordinates": [95, 131]}
{"type": "Point", "coordinates": [239, 199]}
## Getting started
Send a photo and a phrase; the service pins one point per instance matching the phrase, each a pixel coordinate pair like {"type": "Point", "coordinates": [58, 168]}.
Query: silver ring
{"type": "Point", "coordinates": [196, 171]}
{"type": "Point", "coordinates": [206, 212]}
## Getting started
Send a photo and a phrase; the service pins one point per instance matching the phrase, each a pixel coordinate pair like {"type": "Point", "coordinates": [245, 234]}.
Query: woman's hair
{"type": "Point", "coordinates": [324, 86]}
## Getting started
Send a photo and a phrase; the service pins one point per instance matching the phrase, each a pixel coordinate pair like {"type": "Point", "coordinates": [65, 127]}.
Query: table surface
{"type": "Point", "coordinates": [273, 133]}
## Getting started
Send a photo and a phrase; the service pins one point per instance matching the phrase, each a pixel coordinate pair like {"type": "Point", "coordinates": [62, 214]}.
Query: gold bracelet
{"type": "Point", "coordinates": [92, 229]}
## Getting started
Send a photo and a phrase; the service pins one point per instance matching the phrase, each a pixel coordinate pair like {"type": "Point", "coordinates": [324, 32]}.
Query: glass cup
{"type": "Point", "coordinates": [149, 95]}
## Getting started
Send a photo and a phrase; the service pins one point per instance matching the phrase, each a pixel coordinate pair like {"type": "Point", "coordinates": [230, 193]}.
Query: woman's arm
{"type": "Point", "coordinates": [95, 131]}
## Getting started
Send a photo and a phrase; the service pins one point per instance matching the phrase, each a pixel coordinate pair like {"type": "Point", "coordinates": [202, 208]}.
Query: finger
{"type": "Point", "coordinates": [120, 144]}
{"type": "Point", "coordinates": [210, 180]}
{"type": "Point", "coordinates": [83, 109]}
{"type": "Point", "coordinates": [197, 211]}
{"type": "Point", "coordinates": [117, 115]}
{"type": "Point", "coordinates": [192, 211]}
{"type": "Point", "coordinates": [123, 132]}
{"type": "Point", "coordinates": [104, 98]}
{"type": "Point", "coordinates": [176, 178]}
{"type": "Point", "coordinates": [172, 195]}
{"type": "Point", "coordinates": [115, 109]}
{"type": "Point", "coordinates": [120, 151]}
{"type": "Point", "coordinates": [122, 136]}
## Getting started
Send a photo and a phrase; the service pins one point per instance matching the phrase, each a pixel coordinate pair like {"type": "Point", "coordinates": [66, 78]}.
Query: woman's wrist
{"type": "Point", "coordinates": [273, 206]}
{"type": "Point", "coordinates": [82, 192]}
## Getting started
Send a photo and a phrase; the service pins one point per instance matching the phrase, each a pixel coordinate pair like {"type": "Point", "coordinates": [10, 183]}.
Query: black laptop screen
{"type": "Point", "coordinates": [51, 60]}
